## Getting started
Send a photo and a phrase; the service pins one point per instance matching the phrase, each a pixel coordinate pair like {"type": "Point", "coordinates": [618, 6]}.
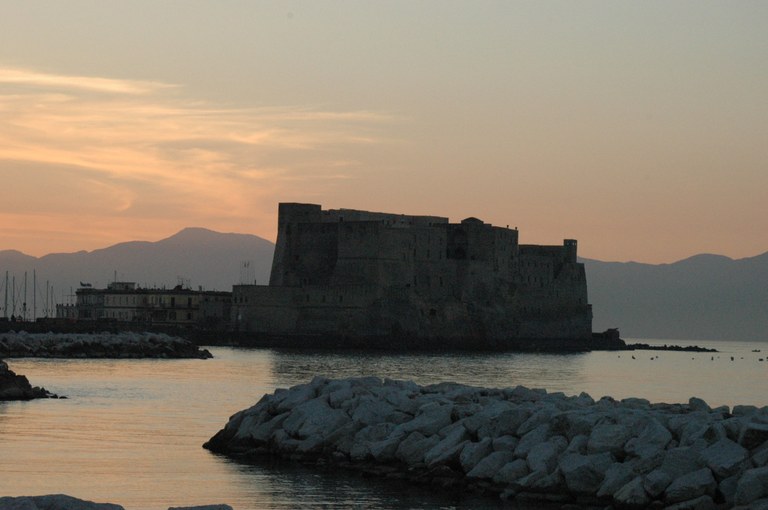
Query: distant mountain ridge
{"type": "Point", "coordinates": [202, 257]}
{"type": "Point", "coordinates": [701, 297]}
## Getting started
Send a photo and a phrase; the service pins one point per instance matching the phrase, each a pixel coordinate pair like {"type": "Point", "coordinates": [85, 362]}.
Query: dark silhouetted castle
{"type": "Point", "coordinates": [374, 279]}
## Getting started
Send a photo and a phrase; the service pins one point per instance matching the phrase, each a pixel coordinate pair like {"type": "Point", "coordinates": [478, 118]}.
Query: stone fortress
{"type": "Point", "coordinates": [359, 278]}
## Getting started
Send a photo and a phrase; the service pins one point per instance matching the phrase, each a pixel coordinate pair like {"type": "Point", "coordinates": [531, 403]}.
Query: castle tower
{"type": "Point", "coordinates": [288, 216]}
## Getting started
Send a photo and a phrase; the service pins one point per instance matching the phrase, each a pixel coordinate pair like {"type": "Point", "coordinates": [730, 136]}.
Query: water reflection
{"type": "Point", "coordinates": [476, 369]}
{"type": "Point", "coordinates": [131, 431]}
{"type": "Point", "coordinates": [326, 487]}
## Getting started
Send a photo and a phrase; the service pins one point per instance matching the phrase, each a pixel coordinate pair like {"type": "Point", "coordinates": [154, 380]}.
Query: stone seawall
{"type": "Point", "coordinates": [98, 345]}
{"type": "Point", "coordinates": [520, 443]}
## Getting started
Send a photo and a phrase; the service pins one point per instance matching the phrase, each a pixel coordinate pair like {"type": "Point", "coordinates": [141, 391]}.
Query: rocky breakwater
{"type": "Point", "coordinates": [521, 443]}
{"type": "Point", "coordinates": [17, 387]}
{"type": "Point", "coordinates": [97, 345]}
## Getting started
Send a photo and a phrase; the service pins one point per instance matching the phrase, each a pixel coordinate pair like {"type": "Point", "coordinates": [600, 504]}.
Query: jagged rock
{"type": "Point", "coordinates": [584, 474]}
{"type": "Point", "coordinates": [725, 458]}
{"type": "Point", "coordinates": [543, 456]}
{"type": "Point", "coordinates": [680, 461]}
{"type": "Point", "coordinates": [413, 448]}
{"type": "Point", "coordinates": [632, 495]}
{"type": "Point", "coordinates": [314, 418]}
{"type": "Point", "coordinates": [17, 387]}
{"type": "Point", "coordinates": [489, 466]}
{"type": "Point", "coordinates": [97, 345]}
{"type": "Point", "coordinates": [53, 502]}
{"type": "Point", "coordinates": [700, 503]}
{"type": "Point", "coordinates": [506, 422]}
{"type": "Point", "coordinates": [656, 481]}
{"type": "Point", "coordinates": [608, 437]}
{"type": "Point", "coordinates": [753, 485]}
{"type": "Point", "coordinates": [697, 404]}
{"type": "Point", "coordinates": [531, 439]}
{"type": "Point", "coordinates": [521, 443]}
{"type": "Point", "coordinates": [431, 418]}
{"type": "Point", "coordinates": [578, 444]}
{"type": "Point", "coordinates": [474, 453]}
{"type": "Point", "coordinates": [653, 438]}
{"type": "Point", "coordinates": [745, 410]}
{"type": "Point", "coordinates": [616, 476]}
{"type": "Point", "coordinates": [691, 486]}
{"type": "Point", "coordinates": [448, 449]}
{"type": "Point", "coordinates": [753, 434]}
{"type": "Point", "coordinates": [505, 442]}
{"type": "Point", "coordinates": [539, 481]}
{"type": "Point", "coordinates": [511, 472]}
{"type": "Point", "coordinates": [541, 417]}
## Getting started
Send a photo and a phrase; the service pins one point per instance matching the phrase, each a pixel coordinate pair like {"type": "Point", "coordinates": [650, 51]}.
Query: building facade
{"type": "Point", "coordinates": [350, 274]}
{"type": "Point", "coordinates": [125, 302]}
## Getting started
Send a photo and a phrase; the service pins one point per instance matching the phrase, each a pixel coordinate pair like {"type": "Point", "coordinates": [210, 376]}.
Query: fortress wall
{"type": "Point", "coordinates": [310, 256]}
{"type": "Point", "coordinates": [260, 308]}
{"type": "Point", "coordinates": [338, 310]}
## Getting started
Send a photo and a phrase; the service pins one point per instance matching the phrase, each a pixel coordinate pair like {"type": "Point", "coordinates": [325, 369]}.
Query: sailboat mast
{"type": "Point", "coordinates": [24, 303]}
{"type": "Point", "coordinates": [34, 294]}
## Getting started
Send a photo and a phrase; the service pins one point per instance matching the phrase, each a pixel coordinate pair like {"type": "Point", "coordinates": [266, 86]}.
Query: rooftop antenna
{"type": "Point", "coordinates": [247, 273]}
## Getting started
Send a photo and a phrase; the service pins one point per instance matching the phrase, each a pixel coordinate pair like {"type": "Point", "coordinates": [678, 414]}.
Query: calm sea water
{"type": "Point", "coordinates": [131, 430]}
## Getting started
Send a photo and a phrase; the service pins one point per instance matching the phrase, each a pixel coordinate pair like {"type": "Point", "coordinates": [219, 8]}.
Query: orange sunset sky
{"type": "Point", "coordinates": [638, 128]}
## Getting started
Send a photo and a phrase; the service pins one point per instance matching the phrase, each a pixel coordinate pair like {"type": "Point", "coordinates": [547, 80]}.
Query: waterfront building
{"type": "Point", "coordinates": [126, 302]}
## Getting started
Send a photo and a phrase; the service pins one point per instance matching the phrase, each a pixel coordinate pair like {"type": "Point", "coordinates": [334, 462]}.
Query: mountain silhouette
{"type": "Point", "coordinates": [702, 297]}
{"type": "Point", "coordinates": [197, 256]}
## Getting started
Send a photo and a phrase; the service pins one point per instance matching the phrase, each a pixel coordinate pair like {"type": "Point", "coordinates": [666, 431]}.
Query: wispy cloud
{"type": "Point", "coordinates": [16, 76]}
{"type": "Point", "coordinates": [158, 152]}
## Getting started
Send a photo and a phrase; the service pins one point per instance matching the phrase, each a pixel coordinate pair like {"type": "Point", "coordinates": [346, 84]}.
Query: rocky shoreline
{"type": "Point", "coordinates": [520, 443]}
{"type": "Point", "coordinates": [97, 345]}
{"type": "Point", "coordinates": [17, 387]}
{"type": "Point", "coordinates": [64, 502]}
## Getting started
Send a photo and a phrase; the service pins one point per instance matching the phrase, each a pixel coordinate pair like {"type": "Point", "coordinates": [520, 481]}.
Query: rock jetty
{"type": "Point", "coordinates": [17, 387]}
{"type": "Point", "coordinates": [64, 502]}
{"type": "Point", "coordinates": [98, 345]}
{"type": "Point", "coordinates": [523, 444]}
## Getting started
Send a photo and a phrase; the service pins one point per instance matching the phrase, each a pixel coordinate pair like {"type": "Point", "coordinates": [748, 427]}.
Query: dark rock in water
{"type": "Point", "coordinates": [98, 345]}
{"type": "Point", "coordinates": [64, 502]}
{"type": "Point", "coordinates": [53, 502]}
{"type": "Point", "coordinates": [526, 445]}
{"type": "Point", "coordinates": [17, 387]}
{"type": "Point", "coordinates": [676, 348]}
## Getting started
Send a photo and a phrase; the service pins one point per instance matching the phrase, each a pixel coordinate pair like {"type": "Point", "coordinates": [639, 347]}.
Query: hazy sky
{"type": "Point", "coordinates": [638, 128]}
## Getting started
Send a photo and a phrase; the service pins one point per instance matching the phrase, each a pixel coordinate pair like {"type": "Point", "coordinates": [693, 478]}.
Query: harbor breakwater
{"type": "Point", "coordinates": [520, 443]}
{"type": "Point", "coordinates": [97, 345]}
